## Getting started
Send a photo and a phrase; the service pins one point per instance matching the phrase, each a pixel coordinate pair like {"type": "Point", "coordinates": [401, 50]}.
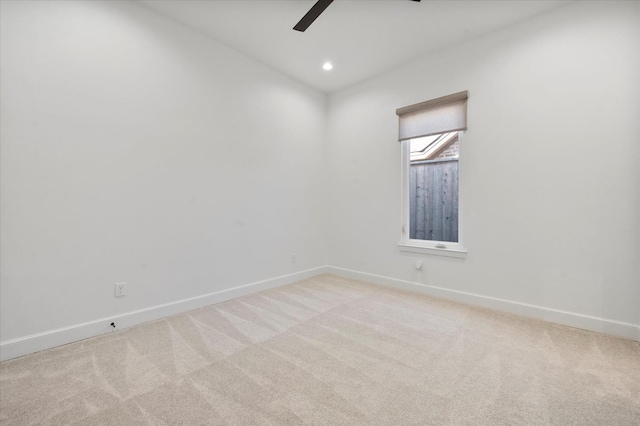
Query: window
{"type": "Point", "coordinates": [431, 135]}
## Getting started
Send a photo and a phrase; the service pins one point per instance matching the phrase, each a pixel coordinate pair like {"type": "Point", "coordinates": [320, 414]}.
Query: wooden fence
{"type": "Point", "coordinates": [433, 202]}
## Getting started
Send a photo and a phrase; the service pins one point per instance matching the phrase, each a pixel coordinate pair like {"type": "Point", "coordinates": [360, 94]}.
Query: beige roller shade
{"type": "Point", "coordinates": [445, 114]}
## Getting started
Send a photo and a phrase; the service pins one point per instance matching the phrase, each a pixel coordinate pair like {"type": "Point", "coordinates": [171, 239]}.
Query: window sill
{"type": "Point", "coordinates": [457, 253]}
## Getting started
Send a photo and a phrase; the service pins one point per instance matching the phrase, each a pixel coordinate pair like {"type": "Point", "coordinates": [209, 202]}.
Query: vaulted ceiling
{"type": "Point", "coordinates": [361, 38]}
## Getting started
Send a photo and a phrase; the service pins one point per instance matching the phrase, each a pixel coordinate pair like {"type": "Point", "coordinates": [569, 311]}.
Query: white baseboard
{"type": "Point", "coordinates": [586, 322]}
{"type": "Point", "coordinates": [37, 342]}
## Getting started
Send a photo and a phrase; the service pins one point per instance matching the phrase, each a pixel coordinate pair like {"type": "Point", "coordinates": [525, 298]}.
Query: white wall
{"type": "Point", "coordinates": [136, 150]}
{"type": "Point", "coordinates": [550, 164]}
{"type": "Point", "coordinates": [133, 149]}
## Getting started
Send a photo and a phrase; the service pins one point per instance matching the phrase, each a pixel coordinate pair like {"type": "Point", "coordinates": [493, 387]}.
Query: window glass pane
{"type": "Point", "coordinates": [433, 188]}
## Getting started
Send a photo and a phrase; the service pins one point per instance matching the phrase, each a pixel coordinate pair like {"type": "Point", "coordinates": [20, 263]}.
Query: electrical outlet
{"type": "Point", "coordinates": [120, 289]}
{"type": "Point", "coordinates": [293, 258]}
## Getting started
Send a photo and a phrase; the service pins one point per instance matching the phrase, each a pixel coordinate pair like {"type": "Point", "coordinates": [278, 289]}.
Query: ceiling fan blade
{"type": "Point", "coordinates": [312, 14]}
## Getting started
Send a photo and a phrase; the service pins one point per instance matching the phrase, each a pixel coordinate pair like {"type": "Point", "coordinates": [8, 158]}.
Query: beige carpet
{"type": "Point", "coordinates": [330, 351]}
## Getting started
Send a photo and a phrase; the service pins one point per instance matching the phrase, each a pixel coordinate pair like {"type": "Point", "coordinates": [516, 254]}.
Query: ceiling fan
{"type": "Point", "coordinates": [313, 14]}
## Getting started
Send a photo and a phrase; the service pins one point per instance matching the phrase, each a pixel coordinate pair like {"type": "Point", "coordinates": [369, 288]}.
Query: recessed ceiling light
{"type": "Point", "coordinates": [327, 66]}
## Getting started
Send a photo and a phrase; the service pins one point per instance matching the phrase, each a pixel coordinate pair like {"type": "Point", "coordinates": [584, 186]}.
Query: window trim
{"type": "Point", "coordinates": [438, 248]}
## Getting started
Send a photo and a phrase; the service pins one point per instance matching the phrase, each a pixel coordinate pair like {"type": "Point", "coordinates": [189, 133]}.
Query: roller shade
{"type": "Point", "coordinates": [445, 114]}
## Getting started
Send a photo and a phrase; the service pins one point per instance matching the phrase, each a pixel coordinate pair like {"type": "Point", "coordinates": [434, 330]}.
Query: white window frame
{"type": "Point", "coordinates": [438, 248]}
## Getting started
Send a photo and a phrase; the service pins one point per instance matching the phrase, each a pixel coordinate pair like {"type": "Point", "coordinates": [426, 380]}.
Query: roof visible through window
{"type": "Point", "coordinates": [430, 147]}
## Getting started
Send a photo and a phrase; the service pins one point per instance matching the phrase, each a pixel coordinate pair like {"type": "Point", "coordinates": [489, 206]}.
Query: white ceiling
{"type": "Point", "coordinates": [361, 38]}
